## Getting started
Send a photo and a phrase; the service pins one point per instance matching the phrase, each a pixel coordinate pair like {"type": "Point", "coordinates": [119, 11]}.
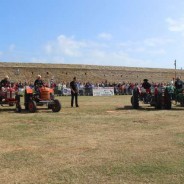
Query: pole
{"type": "Point", "coordinates": [175, 68]}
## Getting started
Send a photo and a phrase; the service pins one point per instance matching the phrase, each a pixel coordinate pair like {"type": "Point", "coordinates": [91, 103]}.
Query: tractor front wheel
{"type": "Point", "coordinates": [56, 107]}
{"type": "Point", "coordinates": [32, 106]}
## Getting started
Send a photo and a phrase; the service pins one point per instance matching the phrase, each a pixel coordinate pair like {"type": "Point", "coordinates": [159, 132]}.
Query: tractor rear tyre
{"type": "Point", "coordinates": [158, 101]}
{"type": "Point", "coordinates": [32, 106]}
{"type": "Point", "coordinates": [56, 107]}
{"type": "Point", "coordinates": [167, 100]}
{"type": "Point", "coordinates": [135, 98]}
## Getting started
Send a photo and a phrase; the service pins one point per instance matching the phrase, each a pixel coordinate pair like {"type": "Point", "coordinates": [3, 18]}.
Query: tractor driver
{"type": "Point", "coordinates": [5, 82]}
{"type": "Point", "coordinates": [37, 84]}
{"type": "Point", "coordinates": [178, 83]}
{"type": "Point", "coordinates": [146, 84]}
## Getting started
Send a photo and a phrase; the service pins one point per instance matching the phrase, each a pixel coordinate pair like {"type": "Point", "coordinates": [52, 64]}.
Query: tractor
{"type": "Point", "coordinates": [39, 97]}
{"type": "Point", "coordinates": [9, 96]}
{"type": "Point", "coordinates": [179, 96]}
{"type": "Point", "coordinates": [158, 96]}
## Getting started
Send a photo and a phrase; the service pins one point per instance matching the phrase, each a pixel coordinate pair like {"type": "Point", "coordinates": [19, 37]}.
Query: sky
{"type": "Point", "coordinates": [130, 33]}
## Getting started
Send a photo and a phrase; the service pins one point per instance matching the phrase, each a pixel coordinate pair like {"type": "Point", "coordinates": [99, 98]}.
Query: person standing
{"type": "Point", "coordinates": [74, 92]}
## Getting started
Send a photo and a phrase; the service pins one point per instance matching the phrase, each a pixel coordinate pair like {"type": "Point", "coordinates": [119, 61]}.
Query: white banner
{"type": "Point", "coordinates": [100, 91]}
{"type": "Point", "coordinates": [66, 91]}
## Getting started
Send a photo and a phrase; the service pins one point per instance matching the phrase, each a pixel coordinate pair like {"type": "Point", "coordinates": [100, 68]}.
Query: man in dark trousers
{"type": "Point", "coordinates": [74, 92]}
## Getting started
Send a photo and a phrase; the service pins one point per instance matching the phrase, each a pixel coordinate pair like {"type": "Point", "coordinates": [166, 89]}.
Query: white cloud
{"type": "Point", "coordinates": [176, 25]}
{"type": "Point", "coordinates": [154, 46]}
{"type": "Point", "coordinates": [136, 49]}
{"type": "Point", "coordinates": [105, 36]}
{"type": "Point", "coordinates": [12, 47]}
{"type": "Point", "coordinates": [157, 52]}
{"type": "Point", "coordinates": [155, 42]}
{"type": "Point", "coordinates": [69, 50]}
{"type": "Point", "coordinates": [67, 46]}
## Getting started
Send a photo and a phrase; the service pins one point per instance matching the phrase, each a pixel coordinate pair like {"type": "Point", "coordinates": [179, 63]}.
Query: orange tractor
{"type": "Point", "coordinates": [9, 96]}
{"type": "Point", "coordinates": [41, 96]}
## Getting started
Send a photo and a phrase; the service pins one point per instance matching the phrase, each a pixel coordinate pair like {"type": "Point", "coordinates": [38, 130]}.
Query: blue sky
{"type": "Point", "coordinates": [133, 33]}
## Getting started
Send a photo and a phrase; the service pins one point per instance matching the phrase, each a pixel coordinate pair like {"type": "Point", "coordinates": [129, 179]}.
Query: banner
{"type": "Point", "coordinates": [100, 91]}
{"type": "Point", "coordinates": [66, 91]}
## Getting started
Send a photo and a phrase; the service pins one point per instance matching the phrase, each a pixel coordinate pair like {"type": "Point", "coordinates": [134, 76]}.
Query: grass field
{"type": "Point", "coordinates": [104, 141]}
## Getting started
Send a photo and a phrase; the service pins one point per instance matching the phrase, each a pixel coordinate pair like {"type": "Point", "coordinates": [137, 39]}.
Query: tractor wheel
{"type": "Point", "coordinates": [167, 99]}
{"type": "Point", "coordinates": [135, 99]}
{"type": "Point", "coordinates": [56, 107]}
{"type": "Point", "coordinates": [18, 107]}
{"type": "Point", "coordinates": [32, 106]}
{"type": "Point", "coordinates": [158, 101]}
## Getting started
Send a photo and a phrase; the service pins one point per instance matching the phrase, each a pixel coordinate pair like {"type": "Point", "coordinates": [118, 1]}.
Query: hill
{"type": "Point", "coordinates": [84, 73]}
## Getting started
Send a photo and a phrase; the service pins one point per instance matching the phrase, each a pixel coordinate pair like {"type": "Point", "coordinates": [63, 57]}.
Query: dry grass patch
{"type": "Point", "coordinates": [102, 141]}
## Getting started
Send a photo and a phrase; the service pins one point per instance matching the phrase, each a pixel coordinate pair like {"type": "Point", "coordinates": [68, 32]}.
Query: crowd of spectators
{"type": "Point", "coordinates": [85, 88]}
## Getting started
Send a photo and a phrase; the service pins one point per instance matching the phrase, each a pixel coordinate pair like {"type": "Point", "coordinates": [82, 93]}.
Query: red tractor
{"type": "Point", "coordinates": [9, 96]}
{"type": "Point", "coordinates": [41, 96]}
{"type": "Point", "coordinates": [158, 96]}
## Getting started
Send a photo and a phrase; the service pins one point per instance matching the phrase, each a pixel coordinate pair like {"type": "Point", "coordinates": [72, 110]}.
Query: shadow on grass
{"type": "Point", "coordinates": [6, 109]}
{"type": "Point", "coordinates": [149, 108]}
{"type": "Point", "coordinates": [24, 111]}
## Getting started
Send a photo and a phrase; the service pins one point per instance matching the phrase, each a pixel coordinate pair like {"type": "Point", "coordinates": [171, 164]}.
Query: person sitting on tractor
{"type": "Point", "coordinates": [178, 83]}
{"type": "Point", "coordinates": [5, 82]}
{"type": "Point", "coordinates": [37, 84]}
{"type": "Point", "coordinates": [146, 96]}
{"type": "Point", "coordinates": [146, 85]}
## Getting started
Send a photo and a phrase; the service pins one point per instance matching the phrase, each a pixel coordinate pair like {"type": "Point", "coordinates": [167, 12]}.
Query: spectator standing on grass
{"type": "Point", "coordinates": [52, 84]}
{"type": "Point", "coordinates": [74, 92]}
{"type": "Point", "coordinates": [60, 88]}
{"type": "Point", "coordinates": [64, 84]}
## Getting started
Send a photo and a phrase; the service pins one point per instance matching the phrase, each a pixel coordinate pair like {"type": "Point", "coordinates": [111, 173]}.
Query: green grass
{"type": "Point", "coordinates": [102, 141]}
